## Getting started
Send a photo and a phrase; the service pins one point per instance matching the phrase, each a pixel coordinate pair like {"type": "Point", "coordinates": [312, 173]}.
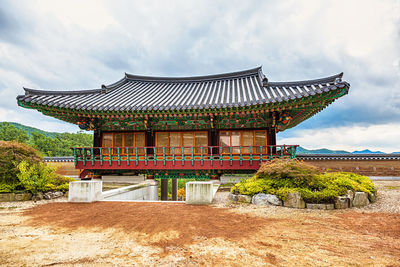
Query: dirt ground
{"type": "Point", "coordinates": [57, 233]}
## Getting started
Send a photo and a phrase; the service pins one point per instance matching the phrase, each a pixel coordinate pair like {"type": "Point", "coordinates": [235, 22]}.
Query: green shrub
{"type": "Point", "coordinates": [281, 177]}
{"type": "Point", "coordinates": [40, 177]}
{"type": "Point", "coordinates": [7, 188]}
{"type": "Point", "coordinates": [11, 154]}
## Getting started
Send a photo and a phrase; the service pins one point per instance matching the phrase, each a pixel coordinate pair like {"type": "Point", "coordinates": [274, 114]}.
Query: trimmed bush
{"type": "Point", "coordinates": [281, 177]}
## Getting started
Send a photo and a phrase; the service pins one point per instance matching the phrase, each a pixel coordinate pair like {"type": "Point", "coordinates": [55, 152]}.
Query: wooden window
{"type": "Point", "coordinates": [124, 140]}
{"type": "Point", "coordinates": [247, 140]}
{"type": "Point", "coordinates": [175, 141]}
{"type": "Point", "coordinates": [188, 140]}
{"type": "Point", "coordinates": [118, 142]}
{"type": "Point", "coordinates": [235, 142]}
{"type": "Point", "coordinates": [140, 141]}
{"type": "Point", "coordinates": [201, 139]}
{"type": "Point", "coordinates": [180, 139]}
{"type": "Point", "coordinates": [235, 139]}
{"type": "Point", "coordinates": [225, 140]}
{"type": "Point", "coordinates": [107, 140]}
{"type": "Point", "coordinates": [162, 140]}
{"type": "Point", "coordinates": [260, 140]}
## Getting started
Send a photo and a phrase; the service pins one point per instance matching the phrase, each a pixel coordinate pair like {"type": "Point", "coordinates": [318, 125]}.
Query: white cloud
{"type": "Point", "coordinates": [381, 137]}
{"type": "Point", "coordinates": [83, 44]}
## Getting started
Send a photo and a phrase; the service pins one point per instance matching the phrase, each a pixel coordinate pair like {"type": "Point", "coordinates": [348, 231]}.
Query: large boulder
{"type": "Point", "coordinates": [372, 197]}
{"type": "Point", "coordinates": [51, 195]}
{"type": "Point", "coordinates": [233, 197]}
{"type": "Point", "coordinates": [244, 198]}
{"type": "Point", "coordinates": [360, 199]}
{"type": "Point", "coordinates": [266, 199]}
{"type": "Point", "coordinates": [6, 197]}
{"type": "Point", "coordinates": [23, 196]}
{"type": "Point", "coordinates": [294, 200]}
{"type": "Point", "coordinates": [350, 196]}
{"type": "Point", "coordinates": [38, 196]}
{"type": "Point", "coordinates": [342, 202]}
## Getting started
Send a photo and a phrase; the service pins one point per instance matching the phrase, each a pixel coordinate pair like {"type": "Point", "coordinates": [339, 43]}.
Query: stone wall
{"type": "Point", "coordinates": [65, 168]}
{"type": "Point", "coordinates": [363, 167]}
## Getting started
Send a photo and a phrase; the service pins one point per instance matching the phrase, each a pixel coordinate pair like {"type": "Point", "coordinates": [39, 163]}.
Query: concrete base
{"type": "Point", "coordinates": [200, 192]}
{"type": "Point", "coordinates": [85, 191]}
{"type": "Point", "coordinates": [145, 191]}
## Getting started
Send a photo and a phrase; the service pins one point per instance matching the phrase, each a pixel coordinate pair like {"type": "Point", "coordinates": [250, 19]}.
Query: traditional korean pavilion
{"type": "Point", "coordinates": [189, 127]}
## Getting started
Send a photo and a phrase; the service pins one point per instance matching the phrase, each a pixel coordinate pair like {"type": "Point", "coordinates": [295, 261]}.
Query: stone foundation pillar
{"type": "Point", "coordinates": [174, 189]}
{"type": "Point", "coordinates": [85, 191]}
{"type": "Point", "coordinates": [164, 189]}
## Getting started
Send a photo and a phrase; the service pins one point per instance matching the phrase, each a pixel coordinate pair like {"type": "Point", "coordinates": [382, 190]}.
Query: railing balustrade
{"type": "Point", "coordinates": [213, 154]}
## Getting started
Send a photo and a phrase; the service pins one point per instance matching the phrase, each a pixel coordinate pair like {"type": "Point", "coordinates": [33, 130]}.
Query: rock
{"type": "Point", "coordinates": [360, 199]}
{"type": "Point", "coordinates": [52, 195]}
{"type": "Point", "coordinates": [6, 197]}
{"type": "Point", "coordinates": [372, 197]}
{"type": "Point", "coordinates": [244, 198]}
{"type": "Point", "coordinates": [320, 206]}
{"type": "Point", "coordinates": [38, 196]}
{"type": "Point", "coordinates": [233, 197]}
{"type": "Point", "coordinates": [294, 200]}
{"type": "Point", "coordinates": [274, 200]}
{"type": "Point", "coordinates": [23, 196]}
{"type": "Point", "coordinates": [350, 196]}
{"type": "Point", "coordinates": [260, 200]}
{"type": "Point", "coordinates": [342, 202]}
{"type": "Point", "coordinates": [315, 206]}
{"type": "Point", "coordinates": [266, 199]}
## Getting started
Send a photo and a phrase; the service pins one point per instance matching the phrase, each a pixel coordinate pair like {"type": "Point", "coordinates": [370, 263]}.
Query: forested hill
{"type": "Point", "coordinates": [50, 144]}
{"type": "Point", "coordinates": [29, 130]}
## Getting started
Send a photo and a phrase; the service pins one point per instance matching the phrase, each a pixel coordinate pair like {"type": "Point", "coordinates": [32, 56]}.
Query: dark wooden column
{"type": "Point", "coordinates": [174, 189]}
{"type": "Point", "coordinates": [150, 141]}
{"type": "Point", "coordinates": [271, 136]}
{"type": "Point", "coordinates": [271, 139]}
{"type": "Point", "coordinates": [97, 138]}
{"type": "Point", "coordinates": [213, 140]}
{"type": "Point", "coordinates": [164, 189]}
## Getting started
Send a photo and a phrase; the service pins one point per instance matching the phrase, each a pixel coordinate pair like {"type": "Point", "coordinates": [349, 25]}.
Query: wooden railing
{"type": "Point", "coordinates": [212, 155]}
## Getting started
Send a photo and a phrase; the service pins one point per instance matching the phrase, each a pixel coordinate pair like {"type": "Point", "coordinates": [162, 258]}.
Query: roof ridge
{"type": "Point", "coordinates": [29, 91]}
{"type": "Point", "coordinates": [306, 82]}
{"type": "Point", "coordinates": [253, 71]}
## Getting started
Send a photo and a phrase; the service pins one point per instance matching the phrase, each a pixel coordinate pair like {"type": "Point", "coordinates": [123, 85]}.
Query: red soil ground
{"type": "Point", "coordinates": [191, 233]}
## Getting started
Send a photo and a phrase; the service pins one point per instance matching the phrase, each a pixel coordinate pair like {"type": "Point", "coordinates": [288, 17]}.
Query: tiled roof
{"type": "Point", "coordinates": [135, 92]}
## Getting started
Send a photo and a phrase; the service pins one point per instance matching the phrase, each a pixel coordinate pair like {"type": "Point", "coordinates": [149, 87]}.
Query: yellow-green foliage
{"type": "Point", "coordinates": [280, 177]}
{"type": "Point", "coordinates": [41, 178]}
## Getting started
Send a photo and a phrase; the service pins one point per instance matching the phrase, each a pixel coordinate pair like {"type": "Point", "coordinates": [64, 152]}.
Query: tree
{"type": "Point", "coordinates": [9, 132]}
{"type": "Point", "coordinates": [11, 154]}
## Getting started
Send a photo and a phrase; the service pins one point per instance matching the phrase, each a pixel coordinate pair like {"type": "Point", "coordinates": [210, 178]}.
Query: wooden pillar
{"type": "Point", "coordinates": [174, 189]}
{"type": "Point", "coordinates": [271, 139]}
{"type": "Point", "coordinates": [271, 136]}
{"type": "Point", "coordinates": [97, 138]}
{"type": "Point", "coordinates": [164, 189]}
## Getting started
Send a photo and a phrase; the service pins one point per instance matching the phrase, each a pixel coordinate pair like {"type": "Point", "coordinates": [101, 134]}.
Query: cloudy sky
{"type": "Point", "coordinates": [65, 45]}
